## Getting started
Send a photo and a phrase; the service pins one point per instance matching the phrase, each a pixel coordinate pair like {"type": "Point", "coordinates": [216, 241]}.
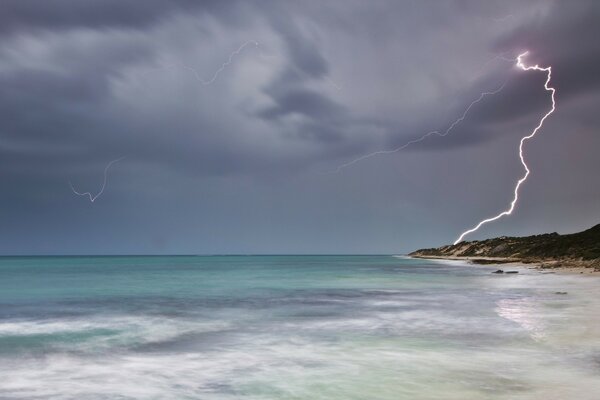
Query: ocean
{"type": "Point", "coordinates": [293, 327]}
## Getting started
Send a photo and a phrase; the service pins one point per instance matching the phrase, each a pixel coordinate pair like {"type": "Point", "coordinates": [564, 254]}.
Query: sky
{"type": "Point", "coordinates": [232, 118]}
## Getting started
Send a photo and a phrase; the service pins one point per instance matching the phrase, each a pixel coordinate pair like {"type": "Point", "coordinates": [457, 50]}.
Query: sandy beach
{"type": "Point", "coordinates": [543, 266]}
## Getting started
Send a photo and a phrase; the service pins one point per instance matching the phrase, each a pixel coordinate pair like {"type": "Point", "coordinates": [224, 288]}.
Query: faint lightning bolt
{"type": "Point", "coordinates": [199, 78]}
{"type": "Point", "coordinates": [501, 57]}
{"type": "Point", "coordinates": [214, 77]}
{"type": "Point", "coordinates": [92, 197]}
{"type": "Point", "coordinates": [504, 18]}
{"type": "Point", "coordinates": [425, 136]}
{"type": "Point", "coordinates": [496, 19]}
{"type": "Point", "coordinates": [230, 59]}
{"type": "Point", "coordinates": [226, 63]}
{"type": "Point", "coordinates": [552, 91]}
{"type": "Point", "coordinates": [337, 87]}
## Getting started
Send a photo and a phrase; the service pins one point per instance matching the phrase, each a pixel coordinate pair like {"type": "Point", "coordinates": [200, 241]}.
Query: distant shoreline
{"type": "Point", "coordinates": [576, 252]}
{"type": "Point", "coordinates": [548, 266]}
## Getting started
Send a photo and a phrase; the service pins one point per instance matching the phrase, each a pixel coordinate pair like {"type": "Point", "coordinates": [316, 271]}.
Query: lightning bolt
{"type": "Point", "coordinates": [501, 57]}
{"type": "Point", "coordinates": [230, 59]}
{"type": "Point", "coordinates": [92, 197]}
{"type": "Point", "coordinates": [337, 86]}
{"type": "Point", "coordinates": [504, 18]}
{"type": "Point", "coordinates": [495, 19]}
{"type": "Point", "coordinates": [226, 63]}
{"type": "Point", "coordinates": [199, 78]}
{"type": "Point", "coordinates": [425, 136]}
{"type": "Point", "coordinates": [548, 71]}
{"type": "Point", "coordinates": [219, 70]}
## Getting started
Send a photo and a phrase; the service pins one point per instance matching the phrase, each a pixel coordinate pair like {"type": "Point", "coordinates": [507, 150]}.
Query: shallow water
{"type": "Point", "coordinates": [293, 327]}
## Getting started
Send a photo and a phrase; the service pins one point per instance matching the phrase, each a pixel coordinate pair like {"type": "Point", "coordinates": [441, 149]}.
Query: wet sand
{"type": "Point", "coordinates": [544, 266]}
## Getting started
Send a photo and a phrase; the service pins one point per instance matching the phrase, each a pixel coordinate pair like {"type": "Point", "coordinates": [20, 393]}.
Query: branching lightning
{"type": "Point", "coordinates": [425, 136]}
{"type": "Point", "coordinates": [94, 197]}
{"type": "Point", "coordinates": [552, 91]}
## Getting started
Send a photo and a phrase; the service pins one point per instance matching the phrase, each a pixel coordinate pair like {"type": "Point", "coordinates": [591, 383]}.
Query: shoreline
{"type": "Point", "coordinates": [543, 266]}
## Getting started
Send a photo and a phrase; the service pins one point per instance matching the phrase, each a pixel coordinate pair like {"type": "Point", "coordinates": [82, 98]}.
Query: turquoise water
{"type": "Point", "coordinates": [293, 327]}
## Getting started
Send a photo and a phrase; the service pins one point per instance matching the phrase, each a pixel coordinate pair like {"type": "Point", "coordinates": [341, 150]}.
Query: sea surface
{"type": "Point", "coordinates": [293, 327]}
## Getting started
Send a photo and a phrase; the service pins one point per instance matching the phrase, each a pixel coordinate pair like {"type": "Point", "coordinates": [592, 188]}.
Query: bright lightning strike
{"type": "Point", "coordinates": [92, 197]}
{"type": "Point", "coordinates": [552, 91]}
{"type": "Point", "coordinates": [425, 136]}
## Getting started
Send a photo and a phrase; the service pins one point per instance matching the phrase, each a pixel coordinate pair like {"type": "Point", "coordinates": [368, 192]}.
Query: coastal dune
{"type": "Point", "coordinates": [577, 251]}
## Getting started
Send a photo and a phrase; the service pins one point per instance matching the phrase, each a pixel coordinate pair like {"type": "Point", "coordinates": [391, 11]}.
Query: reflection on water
{"type": "Point", "coordinates": [526, 313]}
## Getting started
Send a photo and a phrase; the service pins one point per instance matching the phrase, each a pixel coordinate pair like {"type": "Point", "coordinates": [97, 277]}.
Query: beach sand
{"type": "Point", "coordinates": [543, 266]}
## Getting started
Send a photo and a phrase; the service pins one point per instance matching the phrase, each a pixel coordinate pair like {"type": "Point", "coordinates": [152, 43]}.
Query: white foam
{"type": "Point", "coordinates": [397, 346]}
{"type": "Point", "coordinates": [121, 329]}
{"type": "Point", "coordinates": [271, 366]}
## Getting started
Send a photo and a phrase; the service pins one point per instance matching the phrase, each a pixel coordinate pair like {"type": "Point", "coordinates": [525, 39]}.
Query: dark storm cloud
{"type": "Point", "coordinates": [304, 102]}
{"type": "Point", "coordinates": [83, 86]}
{"type": "Point", "coordinates": [80, 74]}
{"type": "Point", "coordinates": [85, 82]}
{"type": "Point", "coordinates": [323, 117]}
{"type": "Point", "coordinates": [47, 106]}
{"type": "Point", "coordinates": [71, 96]}
{"type": "Point", "coordinates": [304, 54]}
{"type": "Point", "coordinates": [522, 96]}
{"type": "Point", "coordinates": [25, 15]}
{"type": "Point", "coordinates": [567, 39]}
{"type": "Point", "coordinates": [564, 38]}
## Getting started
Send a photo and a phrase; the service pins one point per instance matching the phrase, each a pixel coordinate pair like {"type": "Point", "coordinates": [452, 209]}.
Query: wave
{"type": "Point", "coordinates": [99, 333]}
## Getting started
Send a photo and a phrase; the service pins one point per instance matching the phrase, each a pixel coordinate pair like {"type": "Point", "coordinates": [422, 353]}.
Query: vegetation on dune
{"type": "Point", "coordinates": [550, 246]}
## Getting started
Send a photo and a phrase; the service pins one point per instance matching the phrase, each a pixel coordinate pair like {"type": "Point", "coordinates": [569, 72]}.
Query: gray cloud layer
{"type": "Point", "coordinates": [238, 165]}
